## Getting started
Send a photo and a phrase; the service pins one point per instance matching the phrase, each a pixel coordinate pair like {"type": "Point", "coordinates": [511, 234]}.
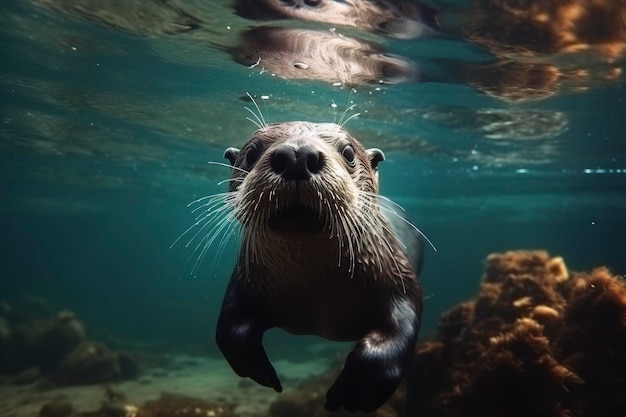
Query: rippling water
{"type": "Point", "coordinates": [110, 111]}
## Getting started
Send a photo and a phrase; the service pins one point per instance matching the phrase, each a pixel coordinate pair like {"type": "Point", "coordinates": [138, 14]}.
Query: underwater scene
{"type": "Point", "coordinates": [291, 208]}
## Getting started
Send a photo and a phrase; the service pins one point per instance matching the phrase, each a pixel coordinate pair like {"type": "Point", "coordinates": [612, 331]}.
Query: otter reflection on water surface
{"type": "Point", "coordinates": [532, 49]}
{"type": "Point", "coordinates": [403, 19]}
{"type": "Point", "coordinates": [323, 56]}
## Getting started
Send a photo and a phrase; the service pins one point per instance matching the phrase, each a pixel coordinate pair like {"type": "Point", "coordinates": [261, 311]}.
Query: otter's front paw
{"type": "Point", "coordinates": [368, 379]}
{"type": "Point", "coordinates": [248, 359]}
{"type": "Point", "coordinates": [241, 344]}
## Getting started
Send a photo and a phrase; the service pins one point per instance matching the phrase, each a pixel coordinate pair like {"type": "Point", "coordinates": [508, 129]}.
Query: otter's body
{"type": "Point", "coordinates": [318, 257]}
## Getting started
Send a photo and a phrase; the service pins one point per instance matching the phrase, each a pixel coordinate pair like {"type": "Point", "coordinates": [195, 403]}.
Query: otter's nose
{"type": "Point", "coordinates": [296, 163]}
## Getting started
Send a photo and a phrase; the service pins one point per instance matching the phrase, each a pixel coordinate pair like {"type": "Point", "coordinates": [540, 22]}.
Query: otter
{"type": "Point", "coordinates": [319, 257]}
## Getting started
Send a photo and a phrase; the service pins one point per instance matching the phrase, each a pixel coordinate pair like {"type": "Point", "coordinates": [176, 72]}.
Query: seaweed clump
{"type": "Point", "coordinates": [537, 341]}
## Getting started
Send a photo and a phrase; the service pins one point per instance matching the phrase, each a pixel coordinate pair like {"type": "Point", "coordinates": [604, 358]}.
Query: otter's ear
{"type": "Point", "coordinates": [375, 155]}
{"type": "Point", "coordinates": [231, 155]}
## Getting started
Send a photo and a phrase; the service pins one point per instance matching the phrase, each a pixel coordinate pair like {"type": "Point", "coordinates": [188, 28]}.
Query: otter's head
{"type": "Point", "coordinates": [301, 180]}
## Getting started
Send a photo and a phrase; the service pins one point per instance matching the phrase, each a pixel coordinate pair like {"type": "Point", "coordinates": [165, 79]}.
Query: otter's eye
{"type": "Point", "coordinates": [252, 153]}
{"type": "Point", "coordinates": [312, 3]}
{"type": "Point", "coordinates": [349, 155]}
{"type": "Point", "coordinates": [383, 26]}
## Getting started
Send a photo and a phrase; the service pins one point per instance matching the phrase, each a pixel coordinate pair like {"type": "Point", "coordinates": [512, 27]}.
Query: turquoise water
{"type": "Point", "coordinates": [107, 127]}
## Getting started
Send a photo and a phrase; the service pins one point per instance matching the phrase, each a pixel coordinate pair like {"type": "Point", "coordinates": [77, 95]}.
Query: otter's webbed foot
{"type": "Point", "coordinates": [372, 372]}
{"type": "Point", "coordinates": [239, 336]}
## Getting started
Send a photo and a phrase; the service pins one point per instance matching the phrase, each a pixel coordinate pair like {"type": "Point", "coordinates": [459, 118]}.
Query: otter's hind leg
{"type": "Point", "coordinates": [239, 336]}
{"type": "Point", "coordinates": [377, 364]}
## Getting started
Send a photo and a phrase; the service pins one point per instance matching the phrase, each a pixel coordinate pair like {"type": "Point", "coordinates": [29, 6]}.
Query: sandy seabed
{"type": "Point", "coordinates": [209, 379]}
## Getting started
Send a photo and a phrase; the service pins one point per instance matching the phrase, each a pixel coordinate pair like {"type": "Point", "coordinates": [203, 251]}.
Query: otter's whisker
{"type": "Point", "coordinates": [388, 210]}
{"type": "Point", "coordinates": [226, 236]}
{"type": "Point", "coordinates": [213, 218]}
{"type": "Point", "coordinates": [258, 110]}
{"type": "Point", "coordinates": [216, 221]}
{"type": "Point", "coordinates": [348, 107]}
{"type": "Point", "coordinates": [377, 197]}
{"type": "Point", "coordinates": [219, 226]}
{"type": "Point", "coordinates": [222, 164]}
{"type": "Point", "coordinates": [201, 199]}
{"type": "Point", "coordinates": [386, 205]}
{"type": "Point", "coordinates": [258, 201]}
{"type": "Point", "coordinates": [229, 180]}
{"type": "Point", "coordinates": [205, 242]}
{"type": "Point", "coordinates": [386, 244]}
{"type": "Point", "coordinates": [335, 229]}
{"type": "Point", "coordinates": [254, 122]}
{"type": "Point", "coordinates": [212, 202]}
{"type": "Point", "coordinates": [197, 222]}
{"type": "Point", "coordinates": [340, 229]}
{"type": "Point", "coordinates": [349, 236]}
{"type": "Point", "coordinates": [320, 200]}
{"type": "Point", "coordinates": [350, 118]}
{"type": "Point", "coordinates": [260, 119]}
{"type": "Point", "coordinates": [183, 234]}
{"type": "Point", "coordinates": [355, 234]}
{"type": "Point", "coordinates": [380, 241]}
{"type": "Point", "coordinates": [205, 215]}
{"type": "Point", "coordinates": [214, 208]}
{"type": "Point", "coordinates": [199, 258]}
{"type": "Point", "coordinates": [345, 112]}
